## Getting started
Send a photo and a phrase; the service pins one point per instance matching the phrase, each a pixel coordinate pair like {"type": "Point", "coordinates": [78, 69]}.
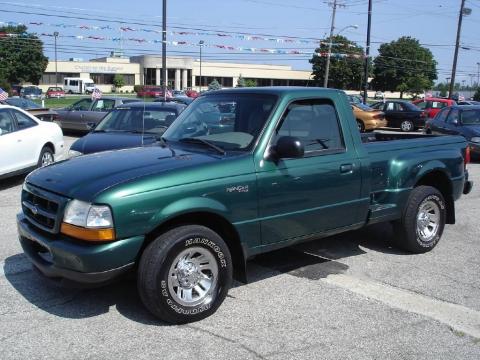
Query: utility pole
{"type": "Point", "coordinates": [457, 45]}
{"type": "Point", "coordinates": [164, 50]}
{"type": "Point", "coordinates": [478, 74]}
{"type": "Point", "coordinates": [55, 35]}
{"type": "Point", "coordinates": [367, 53]}
{"type": "Point", "coordinates": [329, 54]}
{"type": "Point", "coordinates": [200, 44]}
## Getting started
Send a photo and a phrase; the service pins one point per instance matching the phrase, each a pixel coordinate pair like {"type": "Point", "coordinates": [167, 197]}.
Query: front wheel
{"type": "Point", "coordinates": [184, 274]}
{"type": "Point", "coordinates": [423, 220]}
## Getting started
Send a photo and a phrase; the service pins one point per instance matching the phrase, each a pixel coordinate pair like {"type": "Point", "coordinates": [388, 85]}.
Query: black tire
{"type": "Point", "coordinates": [405, 229]}
{"type": "Point", "coordinates": [361, 126]}
{"type": "Point", "coordinates": [157, 261]}
{"type": "Point", "coordinates": [407, 125]}
{"type": "Point", "coordinates": [46, 152]}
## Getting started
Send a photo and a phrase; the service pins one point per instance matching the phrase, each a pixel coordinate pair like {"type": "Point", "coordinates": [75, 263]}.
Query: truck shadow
{"type": "Point", "coordinates": [313, 260]}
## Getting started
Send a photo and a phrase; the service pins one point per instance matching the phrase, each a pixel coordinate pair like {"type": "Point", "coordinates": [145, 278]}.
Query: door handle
{"type": "Point", "coordinates": [346, 168]}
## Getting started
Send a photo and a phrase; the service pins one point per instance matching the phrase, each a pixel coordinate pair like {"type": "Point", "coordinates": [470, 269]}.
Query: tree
{"type": "Point", "coordinates": [250, 83]}
{"type": "Point", "coordinates": [21, 56]}
{"type": "Point", "coordinates": [404, 65]}
{"type": "Point", "coordinates": [240, 81]}
{"type": "Point", "coordinates": [118, 81]}
{"type": "Point", "coordinates": [476, 96]}
{"type": "Point", "coordinates": [346, 63]}
{"type": "Point", "coordinates": [214, 85]}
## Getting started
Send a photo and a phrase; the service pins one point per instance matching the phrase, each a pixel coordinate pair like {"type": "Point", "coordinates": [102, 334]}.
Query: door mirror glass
{"type": "Point", "coordinates": [288, 147]}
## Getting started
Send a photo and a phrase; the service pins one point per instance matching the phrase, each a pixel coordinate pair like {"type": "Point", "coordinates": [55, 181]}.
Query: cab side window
{"type": "Point", "coordinates": [315, 123]}
{"type": "Point", "coordinates": [6, 122]}
{"type": "Point", "coordinates": [442, 115]}
{"type": "Point", "coordinates": [23, 121]}
{"type": "Point", "coordinates": [453, 116]}
{"type": "Point", "coordinates": [103, 105]}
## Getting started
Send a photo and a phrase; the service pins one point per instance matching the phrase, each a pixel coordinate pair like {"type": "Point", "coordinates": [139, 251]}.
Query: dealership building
{"type": "Point", "coordinates": [182, 72]}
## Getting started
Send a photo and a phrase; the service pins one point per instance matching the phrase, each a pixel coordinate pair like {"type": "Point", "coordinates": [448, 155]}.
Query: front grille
{"type": "Point", "coordinates": [42, 209]}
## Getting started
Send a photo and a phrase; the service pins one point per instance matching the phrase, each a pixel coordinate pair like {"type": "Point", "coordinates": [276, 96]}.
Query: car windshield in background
{"type": "Point", "coordinates": [153, 121]}
{"type": "Point", "coordinates": [54, 89]}
{"type": "Point", "coordinates": [471, 117]}
{"type": "Point", "coordinates": [228, 121]}
{"type": "Point", "coordinates": [32, 91]}
{"type": "Point", "coordinates": [22, 103]}
{"type": "Point", "coordinates": [363, 107]}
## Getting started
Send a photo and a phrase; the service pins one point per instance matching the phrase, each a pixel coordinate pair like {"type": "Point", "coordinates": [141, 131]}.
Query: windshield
{"type": "Point", "coordinates": [152, 121]}
{"type": "Point", "coordinates": [54, 89]}
{"type": "Point", "coordinates": [354, 99]}
{"type": "Point", "coordinates": [470, 117]}
{"type": "Point", "coordinates": [32, 90]}
{"type": "Point", "coordinates": [22, 103]}
{"type": "Point", "coordinates": [88, 84]}
{"type": "Point", "coordinates": [229, 121]}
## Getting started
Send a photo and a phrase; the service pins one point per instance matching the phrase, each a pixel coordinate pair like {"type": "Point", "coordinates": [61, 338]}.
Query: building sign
{"type": "Point", "coordinates": [104, 69]}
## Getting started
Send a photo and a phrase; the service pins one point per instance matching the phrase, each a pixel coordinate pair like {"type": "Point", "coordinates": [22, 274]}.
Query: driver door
{"type": "Point", "coordinates": [318, 192]}
{"type": "Point", "coordinates": [73, 119]}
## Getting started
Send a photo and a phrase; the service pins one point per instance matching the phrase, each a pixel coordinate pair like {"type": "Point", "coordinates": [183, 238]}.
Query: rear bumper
{"type": "Point", "coordinates": [74, 262]}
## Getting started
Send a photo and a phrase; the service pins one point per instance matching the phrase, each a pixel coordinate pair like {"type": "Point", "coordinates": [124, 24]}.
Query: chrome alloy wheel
{"type": "Point", "coordinates": [47, 158]}
{"type": "Point", "coordinates": [428, 220]}
{"type": "Point", "coordinates": [193, 276]}
{"type": "Point", "coordinates": [406, 126]}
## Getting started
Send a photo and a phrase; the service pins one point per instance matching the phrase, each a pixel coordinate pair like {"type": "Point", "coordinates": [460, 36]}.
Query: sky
{"type": "Point", "coordinates": [432, 22]}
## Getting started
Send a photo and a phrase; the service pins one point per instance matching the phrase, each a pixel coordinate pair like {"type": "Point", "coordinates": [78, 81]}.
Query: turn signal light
{"type": "Point", "coordinates": [97, 235]}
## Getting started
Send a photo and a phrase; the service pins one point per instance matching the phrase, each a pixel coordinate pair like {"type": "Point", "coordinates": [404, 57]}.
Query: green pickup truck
{"type": "Point", "coordinates": [239, 173]}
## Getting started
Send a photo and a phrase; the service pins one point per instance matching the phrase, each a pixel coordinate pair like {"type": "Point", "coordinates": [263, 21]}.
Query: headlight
{"type": "Point", "coordinates": [88, 222]}
{"type": "Point", "coordinates": [74, 153]}
{"type": "Point", "coordinates": [475, 139]}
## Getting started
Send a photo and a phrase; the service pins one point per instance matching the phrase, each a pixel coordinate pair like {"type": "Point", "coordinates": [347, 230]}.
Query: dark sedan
{"type": "Point", "coordinates": [127, 126]}
{"type": "Point", "coordinates": [458, 120]}
{"type": "Point", "coordinates": [402, 114]}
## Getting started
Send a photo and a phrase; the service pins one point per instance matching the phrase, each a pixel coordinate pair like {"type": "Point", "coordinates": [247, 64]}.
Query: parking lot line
{"type": "Point", "coordinates": [458, 317]}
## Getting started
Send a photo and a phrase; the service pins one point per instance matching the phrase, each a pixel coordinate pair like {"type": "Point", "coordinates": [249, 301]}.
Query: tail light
{"type": "Point", "coordinates": [466, 159]}
{"type": "Point", "coordinates": [378, 116]}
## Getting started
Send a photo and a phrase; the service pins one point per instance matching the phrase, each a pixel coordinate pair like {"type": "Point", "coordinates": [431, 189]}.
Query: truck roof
{"type": "Point", "coordinates": [274, 90]}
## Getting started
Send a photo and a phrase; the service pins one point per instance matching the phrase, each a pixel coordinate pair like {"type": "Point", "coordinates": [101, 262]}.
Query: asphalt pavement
{"type": "Point", "coordinates": [351, 296]}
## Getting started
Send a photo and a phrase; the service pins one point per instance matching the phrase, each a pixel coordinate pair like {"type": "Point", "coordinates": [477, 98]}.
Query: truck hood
{"type": "Point", "coordinates": [96, 142]}
{"type": "Point", "coordinates": [86, 176]}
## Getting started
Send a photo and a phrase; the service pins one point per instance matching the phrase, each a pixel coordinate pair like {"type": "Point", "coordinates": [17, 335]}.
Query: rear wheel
{"type": "Point", "coordinates": [184, 274]}
{"type": "Point", "coordinates": [423, 220]}
{"type": "Point", "coordinates": [406, 125]}
{"type": "Point", "coordinates": [361, 126]}
{"type": "Point", "coordinates": [46, 157]}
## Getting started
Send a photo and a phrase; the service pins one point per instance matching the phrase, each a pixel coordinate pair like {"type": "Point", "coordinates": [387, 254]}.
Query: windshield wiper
{"type": "Point", "coordinates": [203, 142]}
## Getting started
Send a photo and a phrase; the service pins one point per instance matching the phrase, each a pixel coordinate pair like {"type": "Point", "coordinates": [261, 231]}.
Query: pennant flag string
{"type": "Point", "coordinates": [126, 29]}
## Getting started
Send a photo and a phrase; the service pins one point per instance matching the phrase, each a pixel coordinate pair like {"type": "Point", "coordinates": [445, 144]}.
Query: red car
{"type": "Point", "coordinates": [433, 105]}
{"type": "Point", "coordinates": [191, 93]}
{"type": "Point", "coordinates": [150, 91]}
{"type": "Point", "coordinates": [55, 92]}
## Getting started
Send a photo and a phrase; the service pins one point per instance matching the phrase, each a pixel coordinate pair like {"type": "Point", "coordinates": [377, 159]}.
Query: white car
{"type": "Point", "coordinates": [26, 142]}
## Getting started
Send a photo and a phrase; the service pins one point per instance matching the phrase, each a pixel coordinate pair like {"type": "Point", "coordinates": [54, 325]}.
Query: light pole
{"type": "Point", "coordinates": [330, 44]}
{"type": "Point", "coordinates": [478, 74]}
{"type": "Point", "coordinates": [367, 53]}
{"type": "Point", "coordinates": [200, 44]}
{"type": "Point", "coordinates": [457, 45]}
{"type": "Point", "coordinates": [55, 35]}
{"type": "Point", "coordinates": [164, 50]}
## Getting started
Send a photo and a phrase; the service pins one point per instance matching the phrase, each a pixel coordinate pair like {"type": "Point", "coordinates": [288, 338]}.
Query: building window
{"type": "Point", "coordinates": [150, 76]}
{"type": "Point", "coordinates": [189, 79]}
{"type": "Point", "coordinates": [49, 78]}
{"type": "Point", "coordinates": [206, 80]}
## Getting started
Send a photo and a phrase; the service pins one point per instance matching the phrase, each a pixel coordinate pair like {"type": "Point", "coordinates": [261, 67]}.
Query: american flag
{"type": "Point", "coordinates": [96, 94]}
{"type": "Point", "coordinates": [3, 94]}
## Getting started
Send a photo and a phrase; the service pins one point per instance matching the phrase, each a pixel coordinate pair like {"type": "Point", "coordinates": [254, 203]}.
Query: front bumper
{"type": "Point", "coordinates": [76, 262]}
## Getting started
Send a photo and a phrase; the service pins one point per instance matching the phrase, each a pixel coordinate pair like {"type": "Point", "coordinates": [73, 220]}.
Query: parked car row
{"type": "Point", "coordinates": [44, 114]}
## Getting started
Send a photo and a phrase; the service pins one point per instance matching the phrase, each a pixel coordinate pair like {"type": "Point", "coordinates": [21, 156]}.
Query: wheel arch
{"type": "Point", "coordinates": [215, 222]}
{"type": "Point", "coordinates": [439, 180]}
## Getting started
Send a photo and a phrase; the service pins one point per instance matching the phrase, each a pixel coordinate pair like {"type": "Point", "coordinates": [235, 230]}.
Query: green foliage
{"type": "Point", "coordinates": [476, 96]}
{"type": "Point", "coordinates": [20, 63]}
{"type": "Point", "coordinates": [404, 65]}
{"type": "Point", "coordinates": [118, 81]}
{"type": "Point", "coordinates": [5, 86]}
{"type": "Point", "coordinates": [214, 85]}
{"type": "Point", "coordinates": [137, 88]}
{"type": "Point", "coordinates": [344, 73]}
{"type": "Point", "coordinates": [250, 83]}
{"type": "Point", "coordinates": [241, 81]}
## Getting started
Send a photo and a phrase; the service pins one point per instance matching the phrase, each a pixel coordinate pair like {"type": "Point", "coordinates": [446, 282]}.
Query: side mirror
{"type": "Point", "coordinates": [287, 147]}
{"type": "Point", "coordinates": [91, 126]}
